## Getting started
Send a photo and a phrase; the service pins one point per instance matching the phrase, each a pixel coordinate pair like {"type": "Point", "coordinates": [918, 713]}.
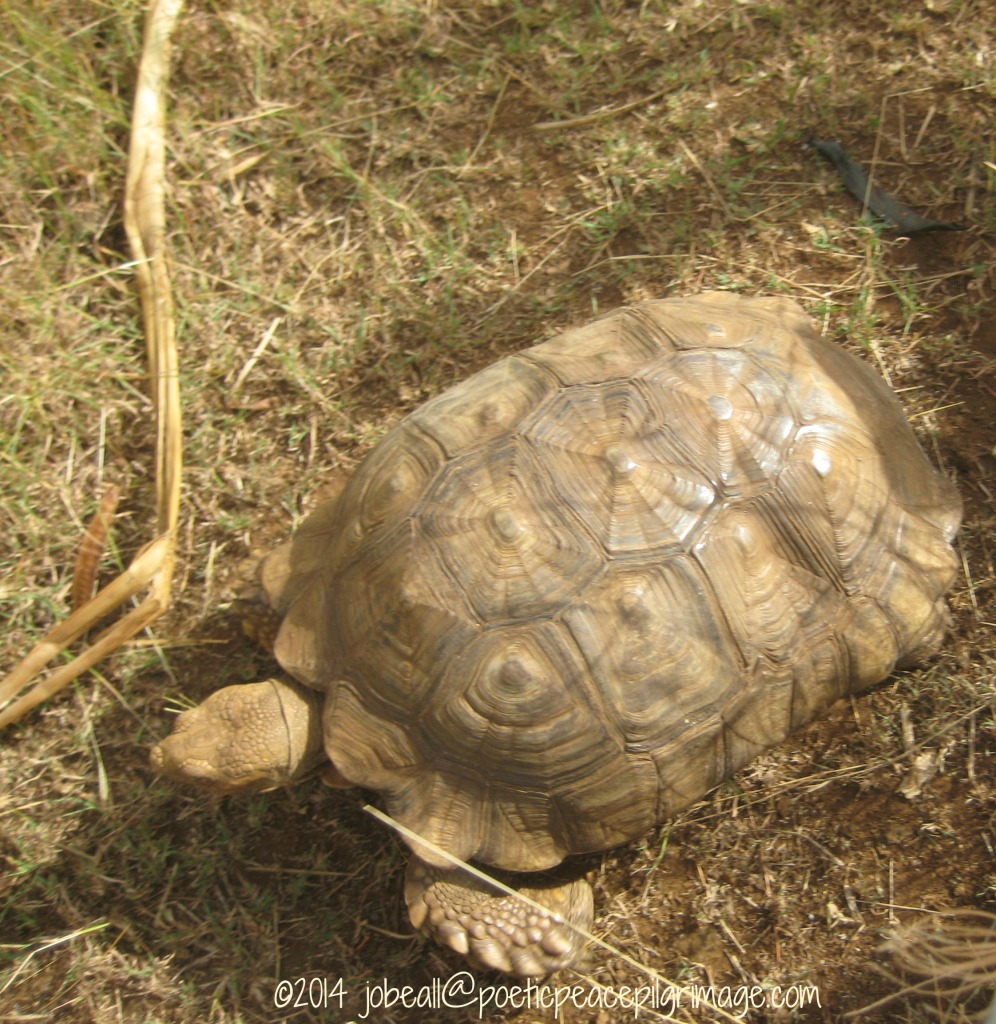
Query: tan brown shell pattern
{"type": "Point", "coordinates": [570, 595]}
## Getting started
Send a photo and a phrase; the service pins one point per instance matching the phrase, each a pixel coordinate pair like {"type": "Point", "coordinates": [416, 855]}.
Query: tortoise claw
{"type": "Point", "coordinates": [496, 930]}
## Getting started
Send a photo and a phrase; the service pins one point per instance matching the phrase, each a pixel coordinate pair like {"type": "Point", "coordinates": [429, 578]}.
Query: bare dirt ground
{"type": "Point", "coordinates": [369, 201]}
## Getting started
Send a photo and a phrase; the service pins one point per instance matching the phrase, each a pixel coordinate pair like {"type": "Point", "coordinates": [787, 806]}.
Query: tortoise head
{"type": "Point", "coordinates": [245, 738]}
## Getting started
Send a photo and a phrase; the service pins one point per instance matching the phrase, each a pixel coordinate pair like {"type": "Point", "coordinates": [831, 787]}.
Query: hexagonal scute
{"type": "Point", "coordinates": [394, 620]}
{"type": "Point", "coordinates": [386, 489]}
{"type": "Point", "coordinates": [605, 449]}
{"type": "Point", "coordinates": [613, 347]}
{"type": "Point", "coordinates": [837, 393]}
{"type": "Point", "coordinates": [726, 414]}
{"type": "Point", "coordinates": [696, 322]}
{"type": "Point", "coordinates": [488, 405]}
{"type": "Point", "coordinates": [836, 499]}
{"type": "Point", "coordinates": [658, 649]}
{"type": "Point", "coordinates": [366, 748]}
{"type": "Point", "coordinates": [523, 735]}
{"type": "Point", "coordinates": [775, 601]}
{"type": "Point", "coordinates": [501, 531]}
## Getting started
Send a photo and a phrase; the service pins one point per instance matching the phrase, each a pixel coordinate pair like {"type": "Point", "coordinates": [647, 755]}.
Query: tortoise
{"type": "Point", "coordinates": [569, 596]}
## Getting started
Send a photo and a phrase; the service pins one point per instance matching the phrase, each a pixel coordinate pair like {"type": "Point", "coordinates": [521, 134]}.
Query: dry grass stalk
{"type": "Point", "coordinates": [145, 225]}
{"type": "Point", "coordinates": [92, 549]}
{"type": "Point", "coordinates": [953, 952]}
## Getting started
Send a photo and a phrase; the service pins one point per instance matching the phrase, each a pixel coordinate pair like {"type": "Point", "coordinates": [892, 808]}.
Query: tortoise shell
{"type": "Point", "coordinates": [569, 596]}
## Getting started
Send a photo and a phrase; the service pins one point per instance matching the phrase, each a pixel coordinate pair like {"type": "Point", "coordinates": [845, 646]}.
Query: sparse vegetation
{"type": "Point", "coordinates": [362, 210]}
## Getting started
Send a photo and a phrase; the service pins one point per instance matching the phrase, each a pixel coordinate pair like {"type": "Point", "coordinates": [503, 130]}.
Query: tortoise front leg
{"type": "Point", "coordinates": [498, 930]}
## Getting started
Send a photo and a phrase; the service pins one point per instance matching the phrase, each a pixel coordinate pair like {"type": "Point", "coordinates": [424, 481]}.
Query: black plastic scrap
{"type": "Point", "coordinates": [880, 203]}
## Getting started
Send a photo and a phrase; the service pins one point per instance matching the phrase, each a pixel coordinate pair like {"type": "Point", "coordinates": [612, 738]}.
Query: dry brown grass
{"type": "Point", "coordinates": [362, 211]}
{"type": "Point", "coordinates": [948, 957]}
